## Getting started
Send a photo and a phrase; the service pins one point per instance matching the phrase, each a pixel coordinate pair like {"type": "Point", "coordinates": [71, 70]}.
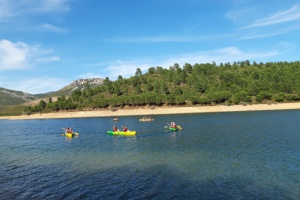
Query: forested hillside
{"type": "Point", "coordinates": [198, 84]}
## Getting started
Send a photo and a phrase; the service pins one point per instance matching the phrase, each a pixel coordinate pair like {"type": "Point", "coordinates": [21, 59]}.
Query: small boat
{"type": "Point", "coordinates": [146, 119]}
{"type": "Point", "coordinates": [121, 132]}
{"type": "Point", "coordinates": [71, 134]}
{"type": "Point", "coordinates": [116, 119]}
{"type": "Point", "coordinates": [173, 129]}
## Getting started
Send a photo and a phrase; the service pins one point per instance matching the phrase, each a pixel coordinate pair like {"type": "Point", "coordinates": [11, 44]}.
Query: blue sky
{"type": "Point", "coordinates": [47, 44]}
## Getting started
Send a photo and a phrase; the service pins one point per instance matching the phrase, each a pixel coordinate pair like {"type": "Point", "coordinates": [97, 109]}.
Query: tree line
{"type": "Point", "coordinates": [198, 84]}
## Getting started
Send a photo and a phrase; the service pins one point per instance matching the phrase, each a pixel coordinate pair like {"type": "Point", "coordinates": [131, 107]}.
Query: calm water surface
{"type": "Point", "coordinates": [243, 155]}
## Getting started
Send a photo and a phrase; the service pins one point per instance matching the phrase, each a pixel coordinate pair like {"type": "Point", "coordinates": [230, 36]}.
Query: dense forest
{"type": "Point", "coordinates": [198, 84]}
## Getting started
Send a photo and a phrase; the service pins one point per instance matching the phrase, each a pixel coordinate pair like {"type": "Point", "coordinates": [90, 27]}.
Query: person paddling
{"type": "Point", "coordinates": [68, 130]}
{"type": "Point", "coordinates": [124, 128]}
{"type": "Point", "coordinates": [173, 125]}
{"type": "Point", "coordinates": [115, 129]}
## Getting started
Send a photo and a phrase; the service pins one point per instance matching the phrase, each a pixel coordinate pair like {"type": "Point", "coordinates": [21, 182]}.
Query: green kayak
{"type": "Point", "coordinates": [121, 132]}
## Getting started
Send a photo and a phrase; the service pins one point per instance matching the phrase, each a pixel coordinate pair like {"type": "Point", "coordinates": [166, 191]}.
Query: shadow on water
{"type": "Point", "coordinates": [160, 182]}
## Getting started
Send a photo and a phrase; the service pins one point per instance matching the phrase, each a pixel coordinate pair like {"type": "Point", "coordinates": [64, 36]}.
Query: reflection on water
{"type": "Point", "coordinates": [247, 155]}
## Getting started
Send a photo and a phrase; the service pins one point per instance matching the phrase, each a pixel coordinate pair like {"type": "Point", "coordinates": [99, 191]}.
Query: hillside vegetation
{"type": "Point", "coordinates": [198, 84]}
{"type": "Point", "coordinates": [13, 102]}
{"type": "Point", "coordinates": [12, 97]}
{"type": "Point", "coordinates": [11, 110]}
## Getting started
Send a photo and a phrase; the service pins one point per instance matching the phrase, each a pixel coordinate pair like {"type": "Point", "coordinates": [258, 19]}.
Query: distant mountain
{"type": "Point", "coordinates": [81, 83]}
{"type": "Point", "coordinates": [12, 97]}
{"type": "Point", "coordinates": [78, 84]}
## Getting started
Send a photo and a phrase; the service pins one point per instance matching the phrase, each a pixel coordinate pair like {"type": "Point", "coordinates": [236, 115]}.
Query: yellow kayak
{"type": "Point", "coordinates": [71, 134]}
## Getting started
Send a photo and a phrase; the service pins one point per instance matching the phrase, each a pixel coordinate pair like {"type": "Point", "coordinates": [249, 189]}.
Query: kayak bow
{"type": "Point", "coordinates": [71, 134]}
{"type": "Point", "coordinates": [173, 129]}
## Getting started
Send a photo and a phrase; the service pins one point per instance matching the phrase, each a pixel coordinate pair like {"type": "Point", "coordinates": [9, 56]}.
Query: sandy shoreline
{"type": "Point", "coordinates": [159, 111]}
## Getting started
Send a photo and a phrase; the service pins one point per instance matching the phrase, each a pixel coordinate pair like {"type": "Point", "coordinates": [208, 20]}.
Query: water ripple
{"type": "Point", "coordinates": [253, 155]}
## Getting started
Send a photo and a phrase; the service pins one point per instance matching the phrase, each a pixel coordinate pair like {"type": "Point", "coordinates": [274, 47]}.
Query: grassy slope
{"type": "Point", "coordinates": [19, 109]}
{"type": "Point", "coordinates": [6, 99]}
{"type": "Point", "coordinates": [11, 110]}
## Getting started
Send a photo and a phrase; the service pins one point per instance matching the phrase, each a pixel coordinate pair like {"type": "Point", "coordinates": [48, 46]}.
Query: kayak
{"type": "Point", "coordinates": [173, 129]}
{"type": "Point", "coordinates": [121, 132]}
{"type": "Point", "coordinates": [71, 134]}
{"type": "Point", "coordinates": [146, 120]}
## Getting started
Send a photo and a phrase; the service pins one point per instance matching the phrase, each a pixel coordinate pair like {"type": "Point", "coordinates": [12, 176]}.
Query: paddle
{"type": "Point", "coordinates": [63, 133]}
{"type": "Point", "coordinates": [74, 132]}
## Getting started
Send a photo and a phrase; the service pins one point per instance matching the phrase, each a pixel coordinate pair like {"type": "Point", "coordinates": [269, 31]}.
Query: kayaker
{"type": "Point", "coordinates": [68, 130]}
{"type": "Point", "coordinates": [115, 129]}
{"type": "Point", "coordinates": [173, 125]}
{"type": "Point", "coordinates": [124, 128]}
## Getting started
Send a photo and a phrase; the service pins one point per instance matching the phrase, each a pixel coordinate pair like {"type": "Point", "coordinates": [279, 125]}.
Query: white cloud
{"type": "Point", "coordinates": [13, 55]}
{"type": "Point", "coordinates": [52, 28]}
{"type": "Point", "coordinates": [160, 39]}
{"type": "Point", "coordinates": [20, 55]}
{"type": "Point", "coordinates": [20, 8]}
{"type": "Point", "coordinates": [261, 23]}
{"type": "Point", "coordinates": [48, 59]}
{"type": "Point", "coordinates": [238, 14]}
{"type": "Point", "coordinates": [243, 11]}
{"type": "Point", "coordinates": [37, 85]}
{"type": "Point", "coordinates": [5, 10]}
{"type": "Point", "coordinates": [90, 75]}
{"type": "Point", "coordinates": [224, 55]}
{"type": "Point", "coordinates": [254, 35]}
{"type": "Point", "coordinates": [51, 5]}
{"type": "Point", "coordinates": [280, 17]}
{"type": "Point", "coordinates": [124, 68]}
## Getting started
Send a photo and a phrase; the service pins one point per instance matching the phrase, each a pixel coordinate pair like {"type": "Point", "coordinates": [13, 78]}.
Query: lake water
{"type": "Point", "coordinates": [241, 155]}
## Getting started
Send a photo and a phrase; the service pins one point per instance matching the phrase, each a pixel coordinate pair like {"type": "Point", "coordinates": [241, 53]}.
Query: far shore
{"type": "Point", "coordinates": [157, 111]}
